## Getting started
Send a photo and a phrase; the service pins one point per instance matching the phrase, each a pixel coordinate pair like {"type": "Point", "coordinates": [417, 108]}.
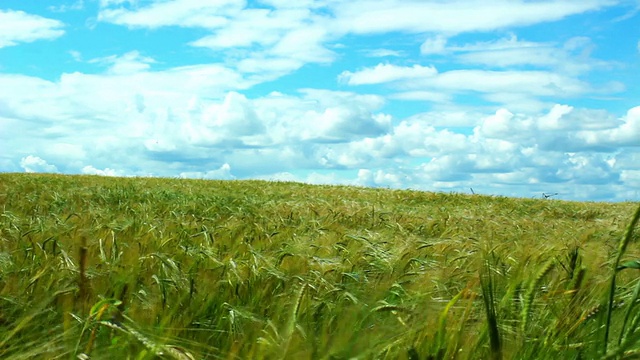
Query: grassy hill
{"type": "Point", "coordinates": [144, 268]}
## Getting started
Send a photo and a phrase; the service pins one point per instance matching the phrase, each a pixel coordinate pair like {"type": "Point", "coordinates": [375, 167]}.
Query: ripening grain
{"type": "Point", "coordinates": [145, 268]}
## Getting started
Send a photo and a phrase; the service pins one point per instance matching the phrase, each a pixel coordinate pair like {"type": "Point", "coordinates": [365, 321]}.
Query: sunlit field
{"type": "Point", "coordinates": [147, 268]}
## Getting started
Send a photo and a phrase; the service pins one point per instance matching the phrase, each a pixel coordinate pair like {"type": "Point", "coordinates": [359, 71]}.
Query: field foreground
{"type": "Point", "coordinates": [141, 268]}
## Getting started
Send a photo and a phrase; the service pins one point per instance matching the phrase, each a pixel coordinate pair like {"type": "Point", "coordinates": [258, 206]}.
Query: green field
{"type": "Point", "coordinates": [146, 268]}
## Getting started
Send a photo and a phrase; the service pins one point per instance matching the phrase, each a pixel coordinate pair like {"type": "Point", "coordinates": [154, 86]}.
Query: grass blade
{"type": "Point", "coordinates": [622, 247]}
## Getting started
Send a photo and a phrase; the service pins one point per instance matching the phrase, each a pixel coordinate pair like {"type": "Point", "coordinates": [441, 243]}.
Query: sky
{"type": "Point", "coordinates": [499, 97]}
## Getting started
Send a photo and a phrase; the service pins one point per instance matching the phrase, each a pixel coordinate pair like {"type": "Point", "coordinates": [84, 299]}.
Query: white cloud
{"type": "Point", "coordinates": [501, 125]}
{"type": "Point", "coordinates": [77, 5]}
{"type": "Point", "coordinates": [304, 44]}
{"type": "Point", "coordinates": [587, 169]}
{"type": "Point", "coordinates": [453, 118]}
{"type": "Point", "coordinates": [315, 178]}
{"type": "Point", "coordinates": [562, 128]}
{"type": "Point", "coordinates": [276, 136]}
{"type": "Point", "coordinates": [434, 45]}
{"type": "Point", "coordinates": [261, 67]}
{"type": "Point", "coordinates": [360, 16]}
{"type": "Point", "coordinates": [316, 116]}
{"type": "Point", "coordinates": [76, 55]}
{"type": "Point", "coordinates": [270, 42]}
{"type": "Point", "coordinates": [629, 160]}
{"type": "Point", "coordinates": [524, 75]}
{"type": "Point", "coordinates": [325, 179]}
{"type": "Point", "coordinates": [626, 134]}
{"type": "Point", "coordinates": [631, 178]}
{"type": "Point", "coordinates": [528, 103]}
{"type": "Point", "coordinates": [160, 122]}
{"type": "Point", "coordinates": [232, 122]}
{"type": "Point", "coordinates": [579, 43]}
{"type": "Point", "coordinates": [280, 176]}
{"type": "Point", "coordinates": [528, 153]}
{"type": "Point", "coordinates": [485, 118]}
{"type": "Point", "coordinates": [383, 53]}
{"type": "Point", "coordinates": [380, 178]}
{"type": "Point", "coordinates": [274, 42]}
{"type": "Point", "coordinates": [90, 170]}
{"type": "Point", "coordinates": [20, 27]}
{"type": "Point", "coordinates": [255, 26]}
{"type": "Point", "coordinates": [119, 97]}
{"type": "Point", "coordinates": [282, 39]}
{"type": "Point", "coordinates": [129, 63]}
{"type": "Point", "coordinates": [424, 78]}
{"type": "Point", "coordinates": [34, 164]}
{"type": "Point", "coordinates": [222, 173]}
{"type": "Point", "coordinates": [375, 16]}
{"type": "Point", "coordinates": [62, 151]}
{"type": "Point", "coordinates": [540, 83]}
{"type": "Point", "coordinates": [572, 57]}
{"type": "Point", "coordinates": [509, 52]}
{"type": "Point", "coordinates": [187, 13]}
{"type": "Point", "coordinates": [385, 73]}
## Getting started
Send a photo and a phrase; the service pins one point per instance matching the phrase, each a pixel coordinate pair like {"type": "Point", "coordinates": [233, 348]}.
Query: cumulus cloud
{"type": "Point", "coordinates": [144, 120]}
{"type": "Point", "coordinates": [564, 127]}
{"type": "Point", "coordinates": [505, 151]}
{"type": "Point", "coordinates": [233, 122]}
{"type": "Point", "coordinates": [34, 164]}
{"type": "Point", "coordinates": [314, 178]}
{"type": "Point", "coordinates": [625, 134]}
{"type": "Point", "coordinates": [222, 173]}
{"type": "Point", "coordinates": [543, 152]}
{"type": "Point", "coordinates": [543, 147]}
{"type": "Point", "coordinates": [82, 99]}
{"type": "Point", "coordinates": [90, 170]}
{"type": "Point", "coordinates": [20, 27]}
{"type": "Point", "coordinates": [379, 178]}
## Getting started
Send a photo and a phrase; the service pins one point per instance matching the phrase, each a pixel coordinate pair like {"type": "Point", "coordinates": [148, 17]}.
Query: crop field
{"type": "Point", "coordinates": [149, 268]}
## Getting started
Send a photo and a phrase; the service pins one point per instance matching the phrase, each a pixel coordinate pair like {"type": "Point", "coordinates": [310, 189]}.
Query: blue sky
{"type": "Point", "coordinates": [513, 98]}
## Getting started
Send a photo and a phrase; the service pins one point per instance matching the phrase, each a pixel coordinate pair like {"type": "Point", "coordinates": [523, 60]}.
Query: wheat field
{"type": "Point", "coordinates": [149, 268]}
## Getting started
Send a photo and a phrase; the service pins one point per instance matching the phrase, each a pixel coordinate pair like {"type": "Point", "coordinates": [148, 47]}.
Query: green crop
{"type": "Point", "coordinates": [149, 268]}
